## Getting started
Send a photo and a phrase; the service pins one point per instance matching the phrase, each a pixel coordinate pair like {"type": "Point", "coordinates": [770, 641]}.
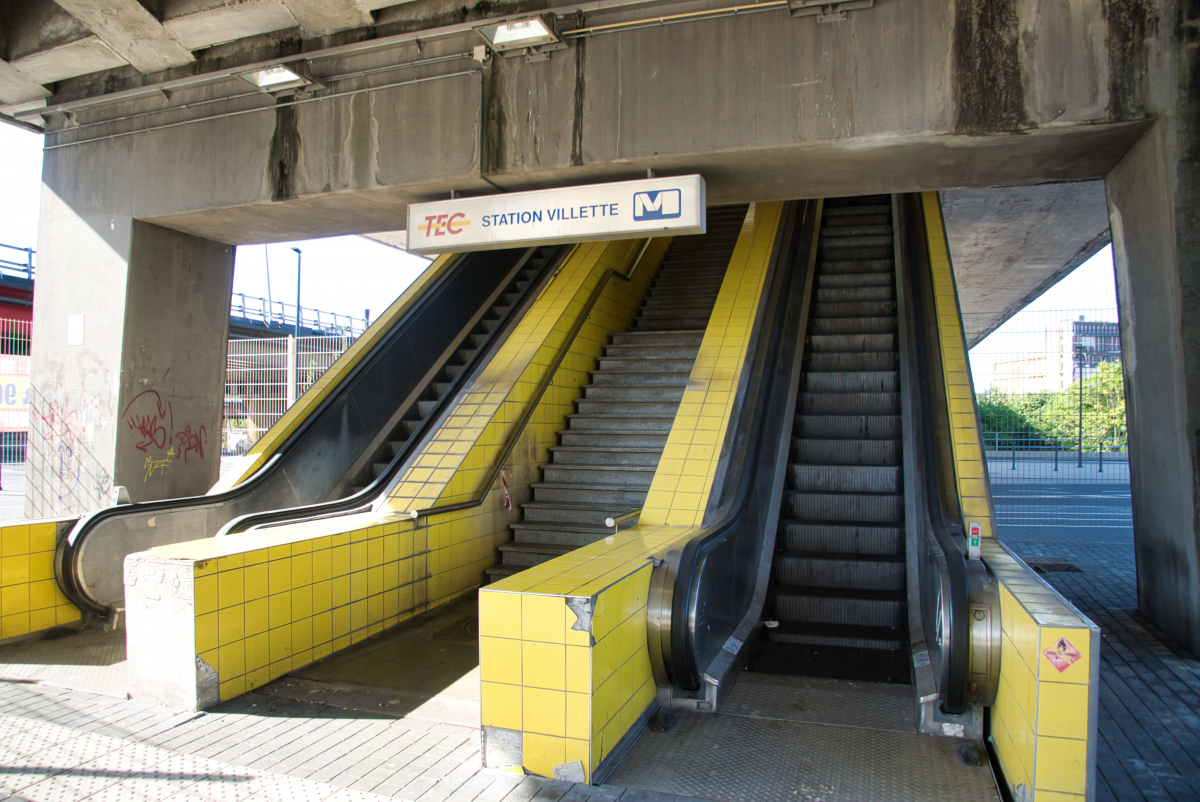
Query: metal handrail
{"type": "Point", "coordinates": [616, 521]}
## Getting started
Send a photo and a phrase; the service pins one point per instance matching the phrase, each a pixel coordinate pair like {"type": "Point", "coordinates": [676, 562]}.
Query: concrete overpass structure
{"type": "Point", "coordinates": [161, 156]}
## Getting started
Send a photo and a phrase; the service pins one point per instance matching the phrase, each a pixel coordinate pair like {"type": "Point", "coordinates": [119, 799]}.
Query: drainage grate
{"type": "Point", "coordinates": [1053, 566]}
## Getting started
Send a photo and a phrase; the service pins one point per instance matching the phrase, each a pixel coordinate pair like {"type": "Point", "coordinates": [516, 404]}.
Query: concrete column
{"type": "Point", "coordinates": [1154, 207]}
{"type": "Point", "coordinates": [130, 328]}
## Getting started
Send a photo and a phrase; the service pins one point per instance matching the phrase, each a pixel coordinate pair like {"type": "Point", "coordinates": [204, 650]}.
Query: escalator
{"type": "Point", "coordinates": [834, 572]}
{"type": "Point", "coordinates": [349, 444]}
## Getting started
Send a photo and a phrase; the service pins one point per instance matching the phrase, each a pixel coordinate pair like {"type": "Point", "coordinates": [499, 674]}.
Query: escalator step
{"type": "Point", "coordinates": [846, 478]}
{"type": "Point", "coordinates": [848, 343]}
{"type": "Point", "coordinates": [851, 266]}
{"type": "Point", "coordinates": [859, 637]}
{"type": "Point", "coordinates": [885, 508]}
{"type": "Point", "coordinates": [852, 361]}
{"type": "Point", "coordinates": [846, 606]}
{"type": "Point", "coordinates": [842, 571]}
{"type": "Point", "coordinates": [850, 427]}
{"type": "Point", "coordinates": [845, 452]}
{"type": "Point", "coordinates": [854, 294]}
{"type": "Point", "coordinates": [852, 325]}
{"type": "Point", "coordinates": [854, 280]}
{"type": "Point", "coordinates": [833, 209]}
{"type": "Point", "coordinates": [854, 309]}
{"type": "Point", "coordinates": [834, 662]}
{"type": "Point", "coordinates": [842, 538]}
{"type": "Point", "coordinates": [879, 403]}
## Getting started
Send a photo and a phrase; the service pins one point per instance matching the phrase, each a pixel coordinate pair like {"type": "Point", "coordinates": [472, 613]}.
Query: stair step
{"type": "Point", "coordinates": [850, 427]}
{"type": "Point", "coordinates": [655, 324]}
{"type": "Point", "coordinates": [646, 364]}
{"type": "Point", "coordinates": [634, 392]}
{"type": "Point", "coordinates": [592, 422]}
{"type": "Point", "coordinates": [603, 438]}
{"type": "Point", "coordinates": [573, 536]}
{"type": "Point", "coordinates": [527, 555]}
{"type": "Point", "coordinates": [686, 337]}
{"type": "Point", "coordinates": [842, 571]}
{"type": "Point", "coordinates": [589, 493]}
{"type": "Point", "coordinates": [627, 475]}
{"type": "Point", "coordinates": [588, 406]}
{"type": "Point", "coordinates": [606, 455]}
{"type": "Point", "coordinates": [566, 512]}
{"type": "Point", "coordinates": [602, 378]}
{"type": "Point", "coordinates": [846, 478]}
{"type": "Point", "coordinates": [819, 451]}
{"type": "Point", "coordinates": [841, 538]}
{"type": "Point", "coordinates": [651, 351]}
{"type": "Point", "coordinates": [878, 508]}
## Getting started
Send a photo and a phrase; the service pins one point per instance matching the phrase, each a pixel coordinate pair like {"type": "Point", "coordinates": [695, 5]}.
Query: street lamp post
{"type": "Point", "coordinates": [297, 250]}
{"type": "Point", "coordinates": [1081, 354]}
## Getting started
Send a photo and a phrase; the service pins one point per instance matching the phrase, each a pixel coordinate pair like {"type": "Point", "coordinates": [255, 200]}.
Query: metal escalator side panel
{"type": "Point", "coordinates": [338, 425]}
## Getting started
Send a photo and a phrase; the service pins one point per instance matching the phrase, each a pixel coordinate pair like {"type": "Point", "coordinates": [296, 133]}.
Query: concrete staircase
{"type": "Point", "coordinates": [838, 589]}
{"type": "Point", "coordinates": [607, 456]}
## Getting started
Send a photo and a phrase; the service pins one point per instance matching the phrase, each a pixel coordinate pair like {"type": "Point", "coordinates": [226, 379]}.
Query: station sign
{"type": "Point", "coordinates": [622, 210]}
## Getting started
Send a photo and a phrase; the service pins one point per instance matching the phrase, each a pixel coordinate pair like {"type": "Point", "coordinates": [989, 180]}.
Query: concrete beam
{"type": "Point", "coordinates": [1010, 245]}
{"type": "Point", "coordinates": [17, 87]}
{"type": "Point", "coordinates": [323, 17]}
{"type": "Point", "coordinates": [131, 31]}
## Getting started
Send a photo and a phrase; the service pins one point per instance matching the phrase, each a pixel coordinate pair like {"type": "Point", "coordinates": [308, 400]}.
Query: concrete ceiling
{"type": "Point", "coordinates": [1010, 245]}
{"type": "Point", "coordinates": [45, 41]}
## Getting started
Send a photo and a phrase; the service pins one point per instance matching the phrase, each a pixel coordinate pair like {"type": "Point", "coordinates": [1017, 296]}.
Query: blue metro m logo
{"type": "Point", "coordinates": [661, 205]}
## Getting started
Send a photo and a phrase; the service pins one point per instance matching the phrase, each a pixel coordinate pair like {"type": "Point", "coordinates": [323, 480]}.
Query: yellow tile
{"type": "Point", "coordinates": [281, 644]}
{"type": "Point", "coordinates": [279, 575]}
{"type": "Point", "coordinates": [542, 618]}
{"type": "Point", "coordinates": [14, 599]}
{"type": "Point", "coordinates": [258, 651]}
{"type": "Point", "coordinates": [541, 753]}
{"type": "Point", "coordinates": [544, 665]}
{"type": "Point", "coordinates": [42, 594]}
{"type": "Point", "coordinates": [14, 570]}
{"type": "Point", "coordinates": [544, 711]}
{"type": "Point", "coordinates": [500, 660]}
{"type": "Point", "coordinates": [579, 667]}
{"type": "Point", "coordinates": [501, 705]}
{"type": "Point", "coordinates": [206, 594]}
{"type": "Point", "coordinates": [256, 616]}
{"type": "Point", "coordinates": [206, 632]}
{"type": "Point", "coordinates": [42, 619]}
{"type": "Point", "coordinates": [254, 581]}
{"type": "Point", "coordinates": [13, 625]}
{"type": "Point", "coordinates": [579, 709]}
{"type": "Point", "coordinates": [1069, 642]}
{"type": "Point", "coordinates": [231, 660]}
{"type": "Point", "coordinates": [1061, 765]}
{"type": "Point", "coordinates": [14, 540]}
{"type": "Point", "coordinates": [230, 590]}
{"type": "Point", "coordinates": [1062, 710]}
{"type": "Point", "coordinates": [279, 610]}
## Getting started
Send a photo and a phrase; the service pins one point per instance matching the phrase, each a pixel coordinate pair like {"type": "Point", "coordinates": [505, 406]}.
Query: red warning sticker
{"type": "Point", "coordinates": [1062, 654]}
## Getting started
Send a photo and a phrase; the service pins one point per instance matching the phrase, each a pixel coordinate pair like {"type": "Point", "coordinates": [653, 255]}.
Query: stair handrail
{"type": "Point", "coordinates": [616, 520]}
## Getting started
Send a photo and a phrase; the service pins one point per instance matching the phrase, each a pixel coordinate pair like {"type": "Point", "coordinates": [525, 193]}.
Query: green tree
{"type": "Point", "coordinates": [1103, 410]}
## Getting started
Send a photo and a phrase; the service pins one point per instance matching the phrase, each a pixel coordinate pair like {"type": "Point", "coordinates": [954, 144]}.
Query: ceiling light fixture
{"type": "Point", "coordinates": [520, 34]}
{"type": "Point", "coordinates": [274, 79]}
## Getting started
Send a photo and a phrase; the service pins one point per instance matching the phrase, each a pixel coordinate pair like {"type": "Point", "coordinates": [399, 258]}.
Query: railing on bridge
{"type": "Point", "coordinates": [281, 316]}
{"type": "Point", "coordinates": [17, 262]}
{"type": "Point", "coordinates": [1031, 457]}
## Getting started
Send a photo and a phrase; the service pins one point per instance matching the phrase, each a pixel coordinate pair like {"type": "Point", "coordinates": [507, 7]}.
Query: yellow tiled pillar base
{"type": "Point", "coordinates": [30, 600]}
{"type": "Point", "coordinates": [1045, 716]}
{"type": "Point", "coordinates": [564, 678]}
{"type": "Point", "coordinates": [212, 619]}
{"type": "Point", "coordinates": [970, 465]}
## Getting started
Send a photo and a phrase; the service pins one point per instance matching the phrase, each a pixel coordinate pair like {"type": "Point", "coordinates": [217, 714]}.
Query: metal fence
{"type": "Point", "coordinates": [16, 261]}
{"type": "Point", "coordinates": [280, 315]}
{"type": "Point", "coordinates": [264, 377]}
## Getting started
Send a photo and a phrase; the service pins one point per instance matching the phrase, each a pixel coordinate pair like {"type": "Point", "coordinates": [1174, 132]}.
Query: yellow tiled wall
{"type": "Point", "coordinates": [266, 603]}
{"type": "Point", "coordinates": [679, 493]}
{"type": "Point", "coordinates": [1043, 724]}
{"type": "Point", "coordinates": [970, 464]}
{"type": "Point", "coordinates": [572, 694]}
{"type": "Point", "coordinates": [262, 450]}
{"type": "Point", "coordinates": [30, 600]}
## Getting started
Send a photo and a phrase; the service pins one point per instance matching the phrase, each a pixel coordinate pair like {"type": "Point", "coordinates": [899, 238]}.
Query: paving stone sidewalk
{"type": "Point", "coordinates": [59, 745]}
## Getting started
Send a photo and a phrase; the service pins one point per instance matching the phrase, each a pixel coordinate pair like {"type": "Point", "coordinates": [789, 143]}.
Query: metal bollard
{"type": "Point", "coordinates": [1101, 469]}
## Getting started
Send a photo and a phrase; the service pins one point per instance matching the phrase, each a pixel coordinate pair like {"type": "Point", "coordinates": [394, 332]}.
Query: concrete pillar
{"type": "Point", "coordinates": [129, 340]}
{"type": "Point", "coordinates": [1154, 207]}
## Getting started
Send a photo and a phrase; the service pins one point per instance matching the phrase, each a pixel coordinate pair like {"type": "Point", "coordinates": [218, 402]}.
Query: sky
{"type": "Point", "coordinates": [345, 275]}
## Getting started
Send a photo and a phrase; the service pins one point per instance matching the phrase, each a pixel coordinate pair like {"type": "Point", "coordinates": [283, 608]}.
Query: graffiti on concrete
{"type": "Point", "coordinates": [152, 422]}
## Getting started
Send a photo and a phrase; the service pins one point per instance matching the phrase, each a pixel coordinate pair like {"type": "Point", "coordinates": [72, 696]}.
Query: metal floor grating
{"type": "Point", "coordinates": [783, 738]}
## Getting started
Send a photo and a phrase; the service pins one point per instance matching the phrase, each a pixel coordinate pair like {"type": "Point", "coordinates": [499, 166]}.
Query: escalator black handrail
{"type": "Point", "coordinates": [955, 658]}
{"type": "Point", "coordinates": [680, 662]}
{"type": "Point", "coordinates": [68, 549]}
{"type": "Point", "coordinates": [364, 499]}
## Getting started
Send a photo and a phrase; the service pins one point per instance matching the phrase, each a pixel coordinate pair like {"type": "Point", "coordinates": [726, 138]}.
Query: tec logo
{"type": "Point", "coordinates": [661, 205]}
{"type": "Point", "coordinates": [442, 224]}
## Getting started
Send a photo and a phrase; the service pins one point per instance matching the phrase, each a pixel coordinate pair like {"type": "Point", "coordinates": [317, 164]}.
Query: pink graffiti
{"type": "Point", "coordinates": [146, 423]}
